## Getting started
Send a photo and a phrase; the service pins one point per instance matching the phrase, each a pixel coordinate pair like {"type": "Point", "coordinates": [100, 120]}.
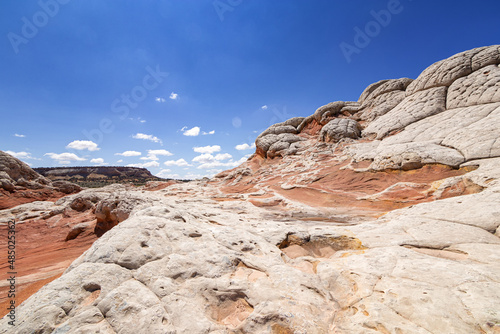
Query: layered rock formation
{"type": "Point", "coordinates": [375, 216]}
{"type": "Point", "coordinates": [98, 176]}
{"type": "Point", "coordinates": [20, 184]}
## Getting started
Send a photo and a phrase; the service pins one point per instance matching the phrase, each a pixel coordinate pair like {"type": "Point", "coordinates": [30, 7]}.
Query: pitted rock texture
{"type": "Point", "coordinates": [340, 128]}
{"type": "Point", "coordinates": [272, 145]}
{"type": "Point", "coordinates": [413, 108]}
{"type": "Point", "coordinates": [479, 87]}
{"type": "Point", "coordinates": [445, 72]}
{"type": "Point", "coordinates": [380, 105]}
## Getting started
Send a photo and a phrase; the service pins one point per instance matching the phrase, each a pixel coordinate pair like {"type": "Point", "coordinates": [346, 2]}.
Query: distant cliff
{"type": "Point", "coordinates": [98, 176]}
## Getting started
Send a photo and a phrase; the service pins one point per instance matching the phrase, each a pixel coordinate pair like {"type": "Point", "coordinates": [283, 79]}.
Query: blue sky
{"type": "Point", "coordinates": [184, 87]}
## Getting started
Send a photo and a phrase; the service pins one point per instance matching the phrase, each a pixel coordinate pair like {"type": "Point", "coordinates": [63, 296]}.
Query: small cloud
{"type": "Point", "coordinates": [192, 132]}
{"type": "Point", "coordinates": [179, 162]}
{"type": "Point", "coordinates": [167, 174]}
{"type": "Point", "coordinates": [145, 165]}
{"type": "Point", "coordinates": [244, 146]}
{"type": "Point", "coordinates": [192, 176]}
{"type": "Point", "coordinates": [204, 158]}
{"type": "Point", "coordinates": [173, 96]}
{"type": "Point", "coordinates": [160, 152]}
{"type": "Point", "coordinates": [160, 99]}
{"type": "Point", "coordinates": [152, 154]}
{"type": "Point", "coordinates": [206, 163]}
{"type": "Point", "coordinates": [129, 154]}
{"type": "Point", "coordinates": [223, 156]}
{"type": "Point", "coordinates": [147, 137]}
{"type": "Point", "coordinates": [21, 155]}
{"type": "Point", "coordinates": [121, 160]}
{"type": "Point", "coordinates": [83, 145]}
{"type": "Point", "coordinates": [18, 135]}
{"type": "Point", "coordinates": [207, 149]}
{"type": "Point", "coordinates": [208, 133]}
{"type": "Point", "coordinates": [264, 107]}
{"type": "Point", "coordinates": [209, 158]}
{"type": "Point", "coordinates": [98, 161]}
{"type": "Point", "coordinates": [64, 158]}
{"type": "Point", "coordinates": [140, 120]}
{"type": "Point", "coordinates": [214, 164]}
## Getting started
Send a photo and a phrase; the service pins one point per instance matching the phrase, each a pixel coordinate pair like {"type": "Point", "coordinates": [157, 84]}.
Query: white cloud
{"type": "Point", "coordinates": [129, 154]}
{"type": "Point", "coordinates": [264, 107]}
{"type": "Point", "coordinates": [98, 161]}
{"type": "Point", "coordinates": [145, 165]}
{"type": "Point", "coordinates": [211, 164]}
{"type": "Point", "coordinates": [208, 161]}
{"type": "Point", "coordinates": [160, 152]}
{"type": "Point", "coordinates": [204, 158]}
{"type": "Point", "coordinates": [214, 164]}
{"type": "Point", "coordinates": [165, 170]}
{"type": "Point", "coordinates": [160, 99]}
{"type": "Point", "coordinates": [208, 133]}
{"type": "Point", "coordinates": [167, 174]}
{"type": "Point", "coordinates": [21, 155]}
{"type": "Point", "coordinates": [179, 162]}
{"type": "Point", "coordinates": [18, 135]}
{"type": "Point", "coordinates": [152, 154]}
{"type": "Point", "coordinates": [207, 149]}
{"type": "Point", "coordinates": [120, 161]}
{"type": "Point", "coordinates": [147, 137]}
{"type": "Point", "coordinates": [83, 145]}
{"type": "Point", "coordinates": [65, 158]}
{"type": "Point", "coordinates": [244, 158]}
{"type": "Point", "coordinates": [244, 146]}
{"type": "Point", "coordinates": [137, 119]}
{"type": "Point", "coordinates": [173, 96]}
{"type": "Point", "coordinates": [192, 132]}
{"type": "Point", "coordinates": [223, 156]}
{"type": "Point", "coordinates": [150, 157]}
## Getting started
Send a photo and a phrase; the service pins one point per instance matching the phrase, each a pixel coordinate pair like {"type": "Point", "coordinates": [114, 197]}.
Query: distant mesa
{"type": "Point", "coordinates": [98, 176]}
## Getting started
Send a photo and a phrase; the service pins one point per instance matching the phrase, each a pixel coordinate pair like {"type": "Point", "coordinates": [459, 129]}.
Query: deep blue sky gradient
{"type": "Point", "coordinates": [285, 55]}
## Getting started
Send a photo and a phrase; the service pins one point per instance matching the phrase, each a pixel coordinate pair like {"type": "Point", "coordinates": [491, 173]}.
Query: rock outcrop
{"type": "Point", "coordinates": [20, 184]}
{"type": "Point", "coordinates": [14, 172]}
{"type": "Point", "coordinates": [98, 176]}
{"type": "Point", "coordinates": [374, 216]}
